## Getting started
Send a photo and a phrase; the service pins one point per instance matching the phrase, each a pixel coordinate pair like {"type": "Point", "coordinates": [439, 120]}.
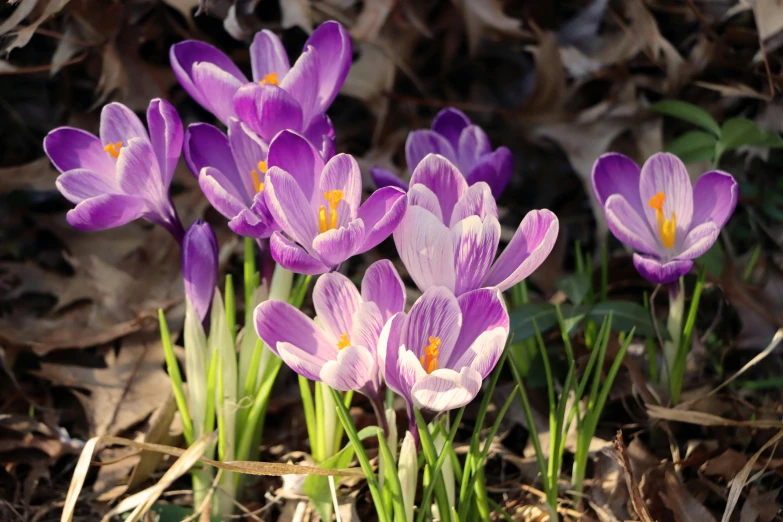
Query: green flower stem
{"type": "Point", "coordinates": [172, 365]}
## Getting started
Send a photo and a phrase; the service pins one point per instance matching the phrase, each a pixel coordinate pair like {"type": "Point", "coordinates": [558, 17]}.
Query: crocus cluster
{"type": "Point", "coordinates": [658, 212]}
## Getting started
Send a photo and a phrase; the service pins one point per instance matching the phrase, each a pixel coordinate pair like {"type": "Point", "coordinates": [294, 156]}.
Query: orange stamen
{"type": "Point", "coordinates": [429, 359]}
{"type": "Point", "coordinates": [113, 149]}
{"type": "Point", "coordinates": [343, 342]}
{"type": "Point", "coordinates": [667, 228]}
{"type": "Point", "coordinates": [270, 79]}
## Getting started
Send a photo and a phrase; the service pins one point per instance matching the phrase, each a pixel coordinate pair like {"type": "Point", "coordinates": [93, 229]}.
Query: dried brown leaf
{"type": "Point", "coordinates": [706, 419]}
{"type": "Point", "coordinates": [637, 499]}
{"type": "Point", "coordinates": [684, 506]}
{"type": "Point", "coordinates": [127, 391]}
{"type": "Point", "coordinates": [22, 11]}
{"type": "Point", "coordinates": [741, 479]}
{"type": "Point", "coordinates": [23, 36]}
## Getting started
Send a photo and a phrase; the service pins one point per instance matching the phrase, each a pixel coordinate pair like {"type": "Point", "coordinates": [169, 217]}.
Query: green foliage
{"type": "Point", "coordinates": [627, 315]}
{"type": "Point", "coordinates": [694, 146]}
{"type": "Point", "coordinates": [687, 112]}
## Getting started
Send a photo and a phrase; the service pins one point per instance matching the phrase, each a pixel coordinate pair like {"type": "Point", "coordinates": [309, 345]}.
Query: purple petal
{"type": "Point", "coordinates": [292, 257]}
{"type": "Point", "coordinates": [248, 151]}
{"type": "Point", "coordinates": [441, 177]}
{"type": "Point", "coordinates": [475, 245]}
{"type": "Point", "coordinates": [425, 248]}
{"type": "Point", "coordinates": [449, 123]}
{"type": "Point", "coordinates": [445, 390]}
{"type": "Point", "coordinates": [699, 240]}
{"type": "Point", "coordinates": [297, 156]}
{"type": "Point", "coordinates": [185, 55]}
{"type": "Point", "coordinates": [420, 143]}
{"type": "Point", "coordinates": [206, 146]}
{"type": "Point", "coordinates": [200, 266]}
{"type": "Point", "coordinates": [421, 196]}
{"type": "Point", "coordinates": [661, 273]}
{"type": "Point", "coordinates": [367, 325]}
{"type": "Point", "coordinates": [289, 207]}
{"type": "Point", "coordinates": [715, 197]}
{"type": "Point", "coordinates": [301, 361]}
{"type": "Point", "coordinates": [279, 322]}
{"type": "Point", "coordinates": [321, 133]}
{"type": "Point", "coordinates": [79, 184]}
{"type": "Point", "coordinates": [435, 314]}
{"type": "Point", "coordinates": [629, 227]}
{"type": "Point", "coordinates": [477, 201]}
{"type": "Point", "coordinates": [301, 83]}
{"type": "Point", "coordinates": [350, 371]}
{"type": "Point", "coordinates": [617, 174]}
{"type": "Point", "coordinates": [473, 144]}
{"type": "Point", "coordinates": [533, 241]}
{"type": "Point", "coordinates": [166, 135]}
{"type": "Point", "coordinates": [382, 285]}
{"type": "Point", "coordinates": [386, 178]}
{"type": "Point", "coordinates": [484, 353]}
{"type": "Point", "coordinates": [337, 245]}
{"type": "Point", "coordinates": [107, 211]}
{"type": "Point", "coordinates": [483, 311]}
{"type": "Point", "coordinates": [70, 148]}
{"type": "Point", "coordinates": [389, 344]}
{"type": "Point", "coordinates": [409, 371]}
{"type": "Point", "coordinates": [138, 172]}
{"type": "Point", "coordinates": [381, 213]}
{"type": "Point", "coordinates": [218, 88]}
{"type": "Point", "coordinates": [666, 173]}
{"type": "Point", "coordinates": [336, 300]}
{"type": "Point", "coordinates": [342, 173]}
{"type": "Point", "coordinates": [267, 109]}
{"type": "Point", "coordinates": [267, 55]}
{"type": "Point", "coordinates": [335, 51]}
{"type": "Point", "coordinates": [251, 224]}
{"type": "Point", "coordinates": [120, 124]}
{"type": "Point", "coordinates": [213, 184]}
{"type": "Point", "coordinates": [495, 169]}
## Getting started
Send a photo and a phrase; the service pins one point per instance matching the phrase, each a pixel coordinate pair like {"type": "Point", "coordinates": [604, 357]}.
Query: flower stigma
{"type": "Point", "coordinates": [270, 79]}
{"type": "Point", "coordinates": [113, 149]}
{"type": "Point", "coordinates": [343, 342]}
{"type": "Point", "coordinates": [333, 197]}
{"type": "Point", "coordinates": [429, 360]}
{"type": "Point", "coordinates": [667, 228]}
{"type": "Point", "coordinates": [258, 185]}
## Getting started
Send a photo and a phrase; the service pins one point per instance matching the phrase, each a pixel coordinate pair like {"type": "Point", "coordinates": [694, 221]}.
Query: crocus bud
{"type": "Point", "coordinates": [408, 468]}
{"type": "Point", "coordinates": [200, 266]}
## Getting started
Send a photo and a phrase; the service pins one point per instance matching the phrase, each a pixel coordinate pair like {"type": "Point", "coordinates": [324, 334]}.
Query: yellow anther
{"type": "Point", "coordinates": [270, 79]}
{"type": "Point", "coordinates": [429, 359]}
{"type": "Point", "coordinates": [667, 228]}
{"type": "Point", "coordinates": [333, 197]}
{"type": "Point", "coordinates": [343, 341]}
{"type": "Point", "coordinates": [113, 149]}
{"type": "Point", "coordinates": [258, 185]}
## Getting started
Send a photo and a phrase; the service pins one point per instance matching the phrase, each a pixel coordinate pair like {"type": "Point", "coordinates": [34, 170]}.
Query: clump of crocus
{"type": "Point", "coordinates": [280, 96]}
{"type": "Point", "coordinates": [437, 355]}
{"type": "Point", "coordinates": [125, 173]}
{"type": "Point", "coordinates": [466, 145]}
{"type": "Point", "coordinates": [318, 208]}
{"type": "Point", "coordinates": [656, 211]}
{"type": "Point", "coordinates": [450, 233]}
{"type": "Point", "coordinates": [341, 348]}
{"type": "Point", "coordinates": [231, 171]}
{"type": "Point", "coordinates": [200, 266]}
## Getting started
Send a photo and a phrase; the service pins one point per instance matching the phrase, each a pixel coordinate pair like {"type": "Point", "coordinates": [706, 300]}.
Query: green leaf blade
{"type": "Point", "coordinates": [688, 112]}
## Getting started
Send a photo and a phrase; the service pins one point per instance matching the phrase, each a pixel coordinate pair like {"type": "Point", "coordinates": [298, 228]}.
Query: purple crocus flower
{"type": "Point", "coordinates": [125, 173]}
{"type": "Point", "coordinates": [437, 355]}
{"type": "Point", "coordinates": [200, 266]}
{"type": "Point", "coordinates": [450, 233]}
{"type": "Point", "coordinates": [317, 206]}
{"type": "Point", "coordinates": [464, 144]}
{"type": "Point", "coordinates": [341, 348]}
{"type": "Point", "coordinates": [657, 211]}
{"type": "Point", "coordinates": [231, 171]}
{"type": "Point", "coordinates": [280, 96]}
